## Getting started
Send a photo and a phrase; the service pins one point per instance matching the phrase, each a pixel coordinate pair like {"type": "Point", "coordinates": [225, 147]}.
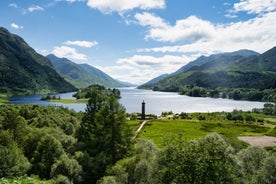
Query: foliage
{"type": "Point", "coordinates": [81, 75]}
{"type": "Point", "coordinates": [104, 135]}
{"type": "Point", "coordinates": [35, 140]}
{"type": "Point", "coordinates": [237, 77]}
{"type": "Point", "coordinates": [34, 73]}
{"type": "Point", "coordinates": [50, 97]}
{"type": "Point", "coordinates": [88, 92]}
{"type": "Point", "coordinates": [257, 166]}
{"type": "Point", "coordinates": [24, 180]}
{"type": "Point", "coordinates": [196, 125]}
{"type": "Point", "coordinates": [206, 160]}
{"type": "Point", "coordinates": [141, 167]}
{"type": "Point", "coordinates": [12, 160]}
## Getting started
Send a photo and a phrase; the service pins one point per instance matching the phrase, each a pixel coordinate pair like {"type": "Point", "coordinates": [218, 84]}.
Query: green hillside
{"type": "Point", "coordinates": [81, 75]}
{"type": "Point", "coordinates": [225, 71]}
{"type": "Point", "coordinates": [23, 71]}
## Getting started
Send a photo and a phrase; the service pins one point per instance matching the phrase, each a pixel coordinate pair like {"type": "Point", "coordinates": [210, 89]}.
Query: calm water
{"type": "Point", "coordinates": [156, 102]}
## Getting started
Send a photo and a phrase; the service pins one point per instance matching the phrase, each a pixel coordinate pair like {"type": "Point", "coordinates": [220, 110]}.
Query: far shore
{"type": "Point", "coordinates": [75, 101]}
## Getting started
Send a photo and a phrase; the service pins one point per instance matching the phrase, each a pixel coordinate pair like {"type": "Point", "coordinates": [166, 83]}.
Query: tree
{"type": "Point", "coordinates": [104, 135]}
{"type": "Point", "coordinates": [140, 168]}
{"type": "Point", "coordinates": [47, 152]}
{"type": "Point", "coordinates": [12, 160]}
{"type": "Point", "coordinates": [251, 163]}
{"type": "Point", "coordinates": [68, 167]}
{"type": "Point", "coordinates": [208, 160]}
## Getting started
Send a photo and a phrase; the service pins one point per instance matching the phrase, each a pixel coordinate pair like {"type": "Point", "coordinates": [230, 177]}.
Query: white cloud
{"type": "Point", "coordinates": [15, 26]}
{"type": "Point", "coordinates": [138, 69]}
{"type": "Point", "coordinates": [255, 6]}
{"type": "Point", "coordinates": [35, 8]}
{"type": "Point", "coordinates": [13, 5]}
{"type": "Point", "coordinates": [68, 52]}
{"type": "Point", "coordinates": [70, 1]}
{"type": "Point", "coordinates": [83, 43]}
{"type": "Point", "coordinates": [201, 36]}
{"type": "Point", "coordinates": [148, 19]}
{"type": "Point", "coordinates": [190, 29]}
{"type": "Point", "coordinates": [109, 6]}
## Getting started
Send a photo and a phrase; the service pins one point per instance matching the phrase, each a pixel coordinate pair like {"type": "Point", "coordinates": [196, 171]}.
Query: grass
{"type": "Point", "coordinates": [76, 101]}
{"type": "Point", "coordinates": [23, 180]}
{"type": "Point", "coordinates": [3, 98]}
{"type": "Point", "coordinates": [134, 125]}
{"type": "Point", "coordinates": [161, 130]}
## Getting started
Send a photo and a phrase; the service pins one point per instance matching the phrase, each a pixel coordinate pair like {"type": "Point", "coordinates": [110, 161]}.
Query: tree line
{"type": "Point", "coordinates": [96, 146]}
{"type": "Point", "coordinates": [61, 145]}
{"type": "Point", "coordinates": [250, 94]}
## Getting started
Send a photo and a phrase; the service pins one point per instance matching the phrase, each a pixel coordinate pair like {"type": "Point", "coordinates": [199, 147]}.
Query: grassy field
{"type": "Point", "coordinates": [3, 98]}
{"type": "Point", "coordinates": [77, 101]}
{"type": "Point", "coordinates": [161, 130]}
{"type": "Point", "coordinates": [23, 180]}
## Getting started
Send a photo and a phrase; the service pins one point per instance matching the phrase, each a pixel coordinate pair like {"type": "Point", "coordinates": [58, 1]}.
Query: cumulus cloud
{"type": "Point", "coordinates": [68, 52]}
{"type": "Point", "coordinates": [83, 43]}
{"type": "Point", "coordinates": [16, 26]}
{"type": "Point", "coordinates": [206, 38]}
{"type": "Point", "coordinates": [109, 6]}
{"type": "Point", "coordinates": [35, 8]}
{"type": "Point", "coordinates": [70, 1]}
{"type": "Point", "coordinates": [145, 67]}
{"type": "Point", "coordinates": [255, 6]}
{"type": "Point", "coordinates": [191, 29]}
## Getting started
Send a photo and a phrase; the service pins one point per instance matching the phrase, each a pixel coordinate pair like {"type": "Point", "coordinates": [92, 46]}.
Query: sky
{"type": "Point", "coordinates": [137, 40]}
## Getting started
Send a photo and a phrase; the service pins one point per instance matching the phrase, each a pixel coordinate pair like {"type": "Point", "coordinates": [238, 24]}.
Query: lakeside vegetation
{"type": "Point", "coordinates": [41, 144]}
{"type": "Point", "coordinates": [197, 125]}
{"type": "Point", "coordinates": [236, 75]}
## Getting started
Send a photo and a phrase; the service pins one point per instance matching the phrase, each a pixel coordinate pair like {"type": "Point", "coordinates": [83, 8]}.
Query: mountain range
{"type": "Point", "coordinates": [24, 71]}
{"type": "Point", "coordinates": [240, 69]}
{"type": "Point", "coordinates": [82, 75]}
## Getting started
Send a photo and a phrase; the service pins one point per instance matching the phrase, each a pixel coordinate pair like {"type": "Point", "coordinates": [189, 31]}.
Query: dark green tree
{"type": "Point", "coordinates": [68, 167]}
{"type": "Point", "coordinates": [48, 151]}
{"type": "Point", "coordinates": [208, 160]}
{"type": "Point", "coordinates": [140, 168]}
{"type": "Point", "coordinates": [104, 137]}
{"type": "Point", "coordinates": [12, 160]}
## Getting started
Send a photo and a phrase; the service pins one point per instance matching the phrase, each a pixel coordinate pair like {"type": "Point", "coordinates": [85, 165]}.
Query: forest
{"type": "Point", "coordinates": [52, 144]}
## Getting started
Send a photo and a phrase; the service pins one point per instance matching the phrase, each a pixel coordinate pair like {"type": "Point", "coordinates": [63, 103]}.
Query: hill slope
{"type": "Point", "coordinates": [22, 70]}
{"type": "Point", "coordinates": [224, 70]}
{"type": "Point", "coordinates": [81, 75]}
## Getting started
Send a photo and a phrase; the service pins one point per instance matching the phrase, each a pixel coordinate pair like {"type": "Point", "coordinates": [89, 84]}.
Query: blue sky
{"type": "Point", "coordinates": [137, 40]}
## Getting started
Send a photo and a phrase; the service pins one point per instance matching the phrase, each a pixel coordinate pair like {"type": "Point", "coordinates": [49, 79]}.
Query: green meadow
{"type": "Point", "coordinates": [198, 125]}
{"type": "Point", "coordinates": [76, 101]}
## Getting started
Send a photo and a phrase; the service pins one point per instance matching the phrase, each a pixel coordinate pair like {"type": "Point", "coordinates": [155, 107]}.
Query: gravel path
{"type": "Point", "coordinates": [139, 129]}
{"type": "Point", "coordinates": [262, 141]}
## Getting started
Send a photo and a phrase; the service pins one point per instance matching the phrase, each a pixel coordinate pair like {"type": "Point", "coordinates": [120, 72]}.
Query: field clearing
{"type": "Point", "coordinates": [74, 101]}
{"type": "Point", "coordinates": [262, 141]}
{"type": "Point", "coordinates": [161, 130]}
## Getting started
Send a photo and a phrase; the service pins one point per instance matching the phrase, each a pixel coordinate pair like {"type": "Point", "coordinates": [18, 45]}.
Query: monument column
{"type": "Point", "coordinates": [143, 116]}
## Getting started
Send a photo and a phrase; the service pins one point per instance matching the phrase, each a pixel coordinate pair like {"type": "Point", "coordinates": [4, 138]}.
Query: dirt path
{"type": "Point", "coordinates": [262, 141]}
{"type": "Point", "coordinates": [140, 128]}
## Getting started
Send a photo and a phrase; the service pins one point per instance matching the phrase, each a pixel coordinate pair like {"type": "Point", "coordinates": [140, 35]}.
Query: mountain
{"type": "Point", "coordinates": [81, 75]}
{"type": "Point", "coordinates": [154, 81]}
{"type": "Point", "coordinates": [23, 70]}
{"type": "Point", "coordinates": [126, 84]}
{"type": "Point", "coordinates": [217, 57]}
{"type": "Point", "coordinates": [228, 56]}
{"type": "Point", "coordinates": [241, 69]}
